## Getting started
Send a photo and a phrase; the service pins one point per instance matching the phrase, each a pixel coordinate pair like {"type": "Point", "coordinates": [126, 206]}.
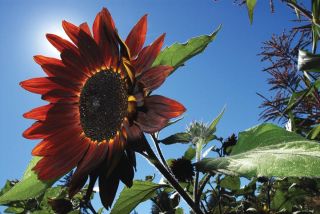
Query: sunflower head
{"type": "Point", "coordinates": [60, 206]}
{"type": "Point", "coordinates": [100, 104]}
{"type": "Point", "coordinates": [182, 169]}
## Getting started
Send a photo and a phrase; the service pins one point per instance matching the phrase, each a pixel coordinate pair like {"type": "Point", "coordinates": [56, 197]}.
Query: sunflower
{"type": "Point", "coordinates": [100, 105]}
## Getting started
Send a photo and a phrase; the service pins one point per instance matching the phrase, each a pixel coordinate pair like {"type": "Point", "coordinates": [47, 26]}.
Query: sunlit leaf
{"type": "Point", "coordinates": [214, 123]}
{"type": "Point", "coordinates": [177, 54]}
{"type": "Point", "coordinates": [230, 182]}
{"type": "Point", "coordinates": [14, 210]}
{"type": "Point", "coordinates": [130, 197]}
{"type": "Point", "coordinates": [190, 153]}
{"type": "Point", "coordinates": [181, 137]}
{"type": "Point", "coordinates": [314, 133]}
{"type": "Point", "coordinates": [250, 6]}
{"type": "Point", "coordinates": [268, 150]}
{"type": "Point", "coordinates": [179, 210]}
{"type": "Point", "coordinates": [29, 186]}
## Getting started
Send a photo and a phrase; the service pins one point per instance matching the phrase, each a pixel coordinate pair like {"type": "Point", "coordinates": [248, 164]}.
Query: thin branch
{"type": "Point", "coordinates": [299, 8]}
{"type": "Point", "coordinates": [156, 142]}
{"type": "Point", "coordinates": [156, 162]}
{"type": "Point", "coordinates": [200, 190]}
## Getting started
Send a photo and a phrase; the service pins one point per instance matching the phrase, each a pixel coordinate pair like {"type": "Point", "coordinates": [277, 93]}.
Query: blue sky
{"type": "Point", "coordinates": [227, 73]}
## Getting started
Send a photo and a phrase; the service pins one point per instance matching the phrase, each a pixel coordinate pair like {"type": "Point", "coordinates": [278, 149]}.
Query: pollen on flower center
{"type": "Point", "coordinates": [103, 105]}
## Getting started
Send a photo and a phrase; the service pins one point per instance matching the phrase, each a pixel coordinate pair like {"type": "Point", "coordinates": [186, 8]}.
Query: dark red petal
{"type": "Point", "coordinates": [72, 31]}
{"type": "Point", "coordinates": [50, 126]}
{"type": "Point", "coordinates": [104, 34]}
{"type": "Point", "coordinates": [85, 27]}
{"type": "Point", "coordinates": [147, 56]}
{"type": "Point", "coordinates": [115, 150]}
{"type": "Point", "coordinates": [126, 173]}
{"type": "Point", "coordinates": [60, 44]}
{"type": "Point", "coordinates": [77, 185]}
{"type": "Point", "coordinates": [131, 157]}
{"type": "Point", "coordinates": [108, 188]}
{"type": "Point", "coordinates": [42, 60]}
{"type": "Point", "coordinates": [60, 96]}
{"type": "Point", "coordinates": [150, 121]}
{"type": "Point", "coordinates": [164, 106]}
{"type": "Point", "coordinates": [63, 142]}
{"type": "Point", "coordinates": [76, 63]}
{"type": "Point", "coordinates": [51, 110]}
{"type": "Point", "coordinates": [95, 154]}
{"type": "Point", "coordinates": [43, 85]}
{"type": "Point", "coordinates": [154, 77]}
{"type": "Point", "coordinates": [55, 67]}
{"type": "Point", "coordinates": [89, 50]}
{"type": "Point", "coordinates": [137, 37]}
{"type": "Point", "coordinates": [52, 167]}
{"type": "Point", "coordinates": [39, 113]}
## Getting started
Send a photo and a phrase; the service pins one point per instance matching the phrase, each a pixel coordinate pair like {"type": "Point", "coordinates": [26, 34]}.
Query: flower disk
{"type": "Point", "coordinates": [103, 105]}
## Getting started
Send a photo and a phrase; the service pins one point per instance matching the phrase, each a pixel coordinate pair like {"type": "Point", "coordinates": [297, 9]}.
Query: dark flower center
{"type": "Point", "coordinates": [103, 105]}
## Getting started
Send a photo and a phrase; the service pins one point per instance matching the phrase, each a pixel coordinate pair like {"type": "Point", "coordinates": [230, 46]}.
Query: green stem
{"type": "Point", "coordinates": [196, 180]}
{"type": "Point", "coordinates": [156, 162]}
{"type": "Point", "coordinates": [156, 142]}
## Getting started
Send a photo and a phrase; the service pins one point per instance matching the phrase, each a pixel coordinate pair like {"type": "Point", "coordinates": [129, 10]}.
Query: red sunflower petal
{"type": "Point", "coordinates": [51, 110]}
{"type": "Point", "coordinates": [39, 113]}
{"type": "Point", "coordinates": [76, 63]}
{"type": "Point", "coordinates": [52, 167]}
{"type": "Point", "coordinates": [150, 121]}
{"type": "Point", "coordinates": [87, 46]}
{"type": "Point", "coordinates": [137, 37]}
{"type": "Point", "coordinates": [60, 44]}
{"type": "Point", "coordinates": [164, 106]}
{"type": "Point", "coordinates": [63, 142]}
{"type": "Point", "coordinates": [51, 125]}
{"type": "Point", "coordinates": [85, 27]}
{"type": "Point", "coordinates": [55, 67]}
{"type": "Point", "coordinates": [108, 188]}
{"type": "Point", "coordinates": [147, 56]}
{"type": "Point", "coordinates": [154, 77]}
{"type": "Point", "coordinates": [43, 85]}
{"type": "Point", "coordinates": [95, 154]}
{"type": "Point", "coordinates": [126, 173]}
{"type": "Point", "coordinates": [104, 33]}
{"type": "Point", "coordinates": [60, 96]}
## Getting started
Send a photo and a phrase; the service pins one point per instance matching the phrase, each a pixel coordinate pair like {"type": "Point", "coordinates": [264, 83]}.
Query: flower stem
{"type": "Point", "coordinates": [202, 185]}
{"type": "Point", "coordinates": [196, 180]}
{"type": "Point", "coordinates": [156, 162]}
{"type": "Point", "coordinates": [156, 142]}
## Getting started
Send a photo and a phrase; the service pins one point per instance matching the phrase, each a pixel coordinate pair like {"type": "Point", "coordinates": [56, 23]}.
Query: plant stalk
{"type": "Point", "coordinates": [156, 142]}
{"type": "Point", "coordinates": [156, 162]}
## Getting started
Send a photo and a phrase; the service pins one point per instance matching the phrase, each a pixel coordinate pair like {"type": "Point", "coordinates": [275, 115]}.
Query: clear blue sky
{"type": "Point", "coordinates": [227, 73]}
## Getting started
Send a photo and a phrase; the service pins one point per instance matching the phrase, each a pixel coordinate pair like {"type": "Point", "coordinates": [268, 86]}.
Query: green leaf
{"type": "Point", "coordinates": [177, 54]}
{"type": "Point", "coordinates": [100, 211]}
{"type": "Point", "coordinates": [14, 210]}
{"type": "Point", "coordinates": [250, 6]}
{"type": "Point", "coordinates": [7, 186]}
{"type": "Point", "coordinates": [179, 210]}
{"type": "Point", "coordinates": [181, 137]}
{"type": "Point", "coordinates": [314, 132]}
{"type": "Point", "coordinates": [230, 182]}
{"type": "Point", "coordinates": [29, 186]}
{"type": "Point", "coordinates": [268, 150]}
{"type": "Point", "coordinates": [130, 197]}
{"type": "Point", "coordinates": [190, 153]}
{"type": "Point", "coordinates": [308, 61]}
{"type": "Point", "coordinates": [57, 192]}
{"type": "Point", "coordinates": [214, 123]}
